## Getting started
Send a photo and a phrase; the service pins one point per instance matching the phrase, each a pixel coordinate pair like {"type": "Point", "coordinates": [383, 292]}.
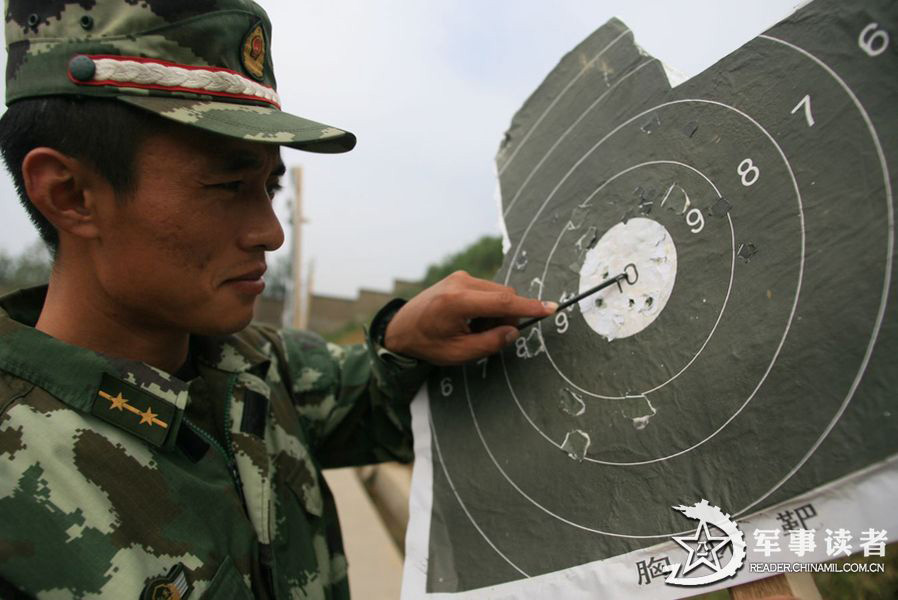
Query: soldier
{"type": "Point", "coordinates": [153, 443]}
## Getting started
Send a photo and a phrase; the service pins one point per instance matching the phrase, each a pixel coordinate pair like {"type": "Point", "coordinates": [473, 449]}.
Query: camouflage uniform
{"type": "Point", "coordinates": [115, 476]}
{"type": "Point", "coordinates": [119, 480]}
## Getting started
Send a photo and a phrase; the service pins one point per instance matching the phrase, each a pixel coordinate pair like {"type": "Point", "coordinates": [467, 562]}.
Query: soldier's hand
{"type": "Point", "coordinates": [460, 319]}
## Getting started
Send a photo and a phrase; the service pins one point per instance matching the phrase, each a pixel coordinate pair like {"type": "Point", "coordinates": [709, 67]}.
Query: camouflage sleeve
{"type": "Point", "coordinates": [353, 400]}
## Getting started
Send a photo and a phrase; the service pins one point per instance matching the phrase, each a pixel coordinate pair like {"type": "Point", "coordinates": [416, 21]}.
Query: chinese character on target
{"type": "Point", "coordinates": [652, 570]}
{"type": "Point", "coordinates": [797, 519]}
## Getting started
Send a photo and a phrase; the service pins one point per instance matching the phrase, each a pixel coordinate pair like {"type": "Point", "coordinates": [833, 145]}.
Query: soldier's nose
{"type": "Point", "coordinates": [263, 230]}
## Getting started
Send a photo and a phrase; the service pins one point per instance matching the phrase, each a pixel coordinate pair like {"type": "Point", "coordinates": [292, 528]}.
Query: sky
{"type": "Point", "coordinates": [429, 88]}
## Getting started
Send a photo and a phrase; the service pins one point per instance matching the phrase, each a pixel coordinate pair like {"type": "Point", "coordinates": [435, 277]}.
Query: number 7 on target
{"type": "Point", "coordinates": [806, 103]}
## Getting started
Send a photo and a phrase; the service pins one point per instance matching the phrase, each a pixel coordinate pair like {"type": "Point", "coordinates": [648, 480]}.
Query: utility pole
{"type": "Point", "coordinates": [298, 319]}
{"type": "Point", "coordinates": [307, 296]}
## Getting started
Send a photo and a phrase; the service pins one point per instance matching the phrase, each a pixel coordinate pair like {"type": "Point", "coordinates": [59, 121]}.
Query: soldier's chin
{"type": "Point", "coordinates": [233, 322]}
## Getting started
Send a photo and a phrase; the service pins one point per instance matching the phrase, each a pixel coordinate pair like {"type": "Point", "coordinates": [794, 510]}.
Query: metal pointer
{"type": "Point", "coordinates": [624, 276]}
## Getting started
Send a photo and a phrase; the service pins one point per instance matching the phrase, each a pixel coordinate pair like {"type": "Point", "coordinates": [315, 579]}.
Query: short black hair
{"type": "Point", "coordinates": [105, 133]}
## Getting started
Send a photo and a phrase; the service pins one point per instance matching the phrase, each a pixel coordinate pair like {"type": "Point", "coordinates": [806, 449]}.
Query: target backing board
{"type": "Point", "coordinates": [754, 360]}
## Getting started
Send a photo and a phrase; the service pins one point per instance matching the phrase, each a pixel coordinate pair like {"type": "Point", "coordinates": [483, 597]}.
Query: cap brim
{"type": "Point", "coordinates": [248, 122]}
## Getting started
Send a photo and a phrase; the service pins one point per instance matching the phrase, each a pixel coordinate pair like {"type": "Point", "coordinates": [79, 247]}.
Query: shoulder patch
{"type": "Point", "coordinates": [171, 586]}
{"type": "Point", "coordinates": [137, 412]}
{"type": "Point", "coordinates": [254, 52]}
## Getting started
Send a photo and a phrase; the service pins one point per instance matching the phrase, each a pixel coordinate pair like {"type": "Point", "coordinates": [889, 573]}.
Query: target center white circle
{"type": "Point", "coordinates": [645, 243]}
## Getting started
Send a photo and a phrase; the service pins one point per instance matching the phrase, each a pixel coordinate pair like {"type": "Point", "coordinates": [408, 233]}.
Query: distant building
{"type": "Point", "coordinates": [330, 314]}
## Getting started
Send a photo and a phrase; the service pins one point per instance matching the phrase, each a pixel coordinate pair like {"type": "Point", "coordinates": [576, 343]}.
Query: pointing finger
{"type": "Point", "coordinates": [502, 305]}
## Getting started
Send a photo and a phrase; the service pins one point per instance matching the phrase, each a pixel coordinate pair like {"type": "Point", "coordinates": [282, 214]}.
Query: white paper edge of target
{"type": "Point", "coordinates": [873, 487]}
{"type": "Point", "coordinates": [500, 219]}
{"type": "Point", "coordinates": [420, 502]}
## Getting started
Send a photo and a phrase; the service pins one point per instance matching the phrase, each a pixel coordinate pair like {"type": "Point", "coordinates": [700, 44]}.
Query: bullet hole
{"type": "Point", "coordinates": [536, 287]}
{"type": "Point", "coordinates": [534, 343]}
{"type": "Point", "coordinates": [578, 215]}
{"type": "Point", "coordinates": [721, 208]}
{"type": "Point", "coordinates": [571, 403]}
{"type": "Point", "coordinates": [651, 125]}
{"type": "Point", "coordinates": [588, 240]}
{"type": "Point", "coordinates": [747, 251]}
{"type": "Point", "coordinates": [575, 444]}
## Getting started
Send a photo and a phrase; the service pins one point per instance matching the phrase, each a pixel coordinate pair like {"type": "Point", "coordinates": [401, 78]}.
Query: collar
{"type": "Point", "coordinates": [131, 395]}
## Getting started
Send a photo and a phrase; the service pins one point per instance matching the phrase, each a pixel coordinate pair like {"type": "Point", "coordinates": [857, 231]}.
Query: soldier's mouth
{"type": "Point", "coordinates": [250, 282]}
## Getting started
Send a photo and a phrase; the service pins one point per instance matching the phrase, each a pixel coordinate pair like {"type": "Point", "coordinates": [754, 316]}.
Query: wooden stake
{"type": "Point", "coordinates": [307, 296]}
{"type": "Point", "coordinates": [793, 585]}
{"type": "Point", "coordinates": [297, 319]}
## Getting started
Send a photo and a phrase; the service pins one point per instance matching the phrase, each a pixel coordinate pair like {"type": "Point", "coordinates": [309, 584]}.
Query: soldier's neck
{"type": "Point", "coordinates": [79, 313]}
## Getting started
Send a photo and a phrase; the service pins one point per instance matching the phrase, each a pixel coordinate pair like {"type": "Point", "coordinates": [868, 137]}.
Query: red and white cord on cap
{"type": "Point", "coordinates": [148, 73]}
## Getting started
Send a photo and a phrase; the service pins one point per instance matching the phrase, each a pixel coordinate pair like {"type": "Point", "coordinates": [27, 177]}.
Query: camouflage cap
{"type": "Point", "coordinates": [205, 63]}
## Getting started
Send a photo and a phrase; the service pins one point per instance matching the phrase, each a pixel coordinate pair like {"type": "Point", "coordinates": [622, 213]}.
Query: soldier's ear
{"type": "Point", "coordinates": [62, 189]}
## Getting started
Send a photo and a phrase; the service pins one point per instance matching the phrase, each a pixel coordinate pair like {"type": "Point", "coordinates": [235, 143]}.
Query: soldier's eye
{"type": "Point", "coordinates": [273, 188]}
{"type": "Point", "coordinates": [231, 186]}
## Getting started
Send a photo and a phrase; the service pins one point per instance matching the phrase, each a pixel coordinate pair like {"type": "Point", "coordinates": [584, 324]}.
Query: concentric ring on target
{"type": "Point", "coordinates": [545, 203]}
{"type": "Point", "coordinates": [854, 385]}
{"type": "Point", "coordinates": [719, 314]}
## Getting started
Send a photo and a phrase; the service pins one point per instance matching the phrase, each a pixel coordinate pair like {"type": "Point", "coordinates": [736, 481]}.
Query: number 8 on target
{"type": "Point", "coordinates": [748, 171]}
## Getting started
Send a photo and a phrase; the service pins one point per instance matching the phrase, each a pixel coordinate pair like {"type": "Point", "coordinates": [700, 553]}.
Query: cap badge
{"type": "Point", "coordinates": [254, 52]}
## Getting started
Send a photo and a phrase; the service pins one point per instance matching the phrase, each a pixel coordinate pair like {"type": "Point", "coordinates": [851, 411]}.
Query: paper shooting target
{"type": "Point", "coordinates": [752, 361]}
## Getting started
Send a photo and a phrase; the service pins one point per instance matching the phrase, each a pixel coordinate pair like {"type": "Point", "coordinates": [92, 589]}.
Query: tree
{"type": "Point", "coordinates": [277, 278]}
{"type": "Point", "coordinates": [481, 259]}
{"type": "Point", "coordinates": [31, 267]}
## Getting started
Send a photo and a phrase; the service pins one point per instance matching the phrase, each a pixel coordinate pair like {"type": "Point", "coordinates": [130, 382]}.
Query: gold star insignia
{"type": "Point", "coordinates": [118, 402]}
{"type": "Point", "coordinates": [148, 417]}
